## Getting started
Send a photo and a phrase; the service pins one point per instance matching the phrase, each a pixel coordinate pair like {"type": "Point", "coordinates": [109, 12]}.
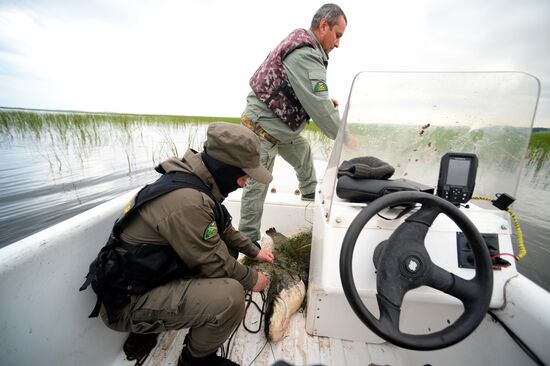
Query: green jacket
{"type": "Point", "coordinates": [306, 69]}
{"type": "Point", "coordinates": [183, 218]}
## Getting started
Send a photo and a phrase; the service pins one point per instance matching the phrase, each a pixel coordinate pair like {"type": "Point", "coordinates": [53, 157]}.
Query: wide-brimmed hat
{"type": "Point", "coordinates": [238, 146]}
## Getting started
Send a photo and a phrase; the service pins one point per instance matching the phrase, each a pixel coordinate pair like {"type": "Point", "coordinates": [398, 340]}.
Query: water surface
{"type": "Point", "coordinates": [56, 165]}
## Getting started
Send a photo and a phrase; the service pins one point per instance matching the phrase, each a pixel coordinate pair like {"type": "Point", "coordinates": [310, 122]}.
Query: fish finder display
{"type": "Point", "coordinates": [457, 175]}
{"type": "Point", "coordinates": [458, 172]}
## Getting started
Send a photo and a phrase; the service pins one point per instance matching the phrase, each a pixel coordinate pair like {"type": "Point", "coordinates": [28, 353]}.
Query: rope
{"type": "Point", "coordinates": [141, 360]}
{"type": "Point", "coordinates": [259, 353]}
{"type": "Point", "coordinates": [225, 350]}
{"type": "Point", "coordinates": [248, 299]}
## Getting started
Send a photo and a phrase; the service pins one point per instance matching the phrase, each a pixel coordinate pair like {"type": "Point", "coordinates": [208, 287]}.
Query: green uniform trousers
{"type": "Point", "coordinates": [297, 153]}
{"type": "Point", "coordinates": [210, 307]}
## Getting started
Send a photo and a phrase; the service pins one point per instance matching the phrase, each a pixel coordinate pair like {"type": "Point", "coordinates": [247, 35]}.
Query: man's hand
{"type": "Point", "coordinates": [261, 283]}
{"type": "Point", "coordinates": [265, 255]}
{"type": "Point", "coordinates": [351, 142]}
{"type": "Point", "coordinates": [335, 103]}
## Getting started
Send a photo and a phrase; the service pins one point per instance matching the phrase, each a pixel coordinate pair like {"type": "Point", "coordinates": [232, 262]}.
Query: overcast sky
{"type": "Point", "coordinates": [195, 57]}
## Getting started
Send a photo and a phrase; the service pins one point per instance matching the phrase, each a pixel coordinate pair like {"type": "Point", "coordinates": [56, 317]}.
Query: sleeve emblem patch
{"type": "Point", "coordinates": [321, 86]}
{"type": "Point", "coordinates": [210, 231]}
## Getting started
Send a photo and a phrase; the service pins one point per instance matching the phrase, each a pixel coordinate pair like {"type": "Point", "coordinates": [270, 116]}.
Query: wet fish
{"type": "Point", "coordinates": [286, 291]}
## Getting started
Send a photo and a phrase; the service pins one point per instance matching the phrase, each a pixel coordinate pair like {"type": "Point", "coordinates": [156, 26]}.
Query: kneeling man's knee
{"type": "Point", "coordinates": [232, 293]}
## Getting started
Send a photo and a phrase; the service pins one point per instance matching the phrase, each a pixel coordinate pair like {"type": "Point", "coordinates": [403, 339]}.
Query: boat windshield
{"type": "Point", "coordinates": [411, 119]}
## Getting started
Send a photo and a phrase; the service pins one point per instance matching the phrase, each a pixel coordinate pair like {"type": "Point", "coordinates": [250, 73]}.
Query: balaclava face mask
{"type": "Point", "coordinates": [225, 175]}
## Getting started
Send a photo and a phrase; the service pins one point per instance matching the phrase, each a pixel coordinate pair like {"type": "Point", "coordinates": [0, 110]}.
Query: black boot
{"type": "Point", "coordinates": [186, 359]}
{"type": "Point", "coordinates": [138, 346]}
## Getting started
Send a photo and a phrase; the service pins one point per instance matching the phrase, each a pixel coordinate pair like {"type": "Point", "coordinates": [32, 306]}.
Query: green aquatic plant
{"type": "Point", "coordinates": [297, 253]}
{"type": "Point", "coordinates": [292, 254]}
{"type": "Point", "coordinates": [82, 131]}
{"type": "Point", "coordinates": [85, 127]}
{"type": "Point", "coordinates": [63, 135]}
{"type": "Point", "coordinates": [539, 149]}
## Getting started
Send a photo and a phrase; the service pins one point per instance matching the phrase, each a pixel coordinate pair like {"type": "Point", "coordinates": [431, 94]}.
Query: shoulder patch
{"type": "Point", "coordinates": [128, 206]}
{"type": "Point", "coordinates": [321, 86]}
{"type": "Point", "coordinates": [210, 231]}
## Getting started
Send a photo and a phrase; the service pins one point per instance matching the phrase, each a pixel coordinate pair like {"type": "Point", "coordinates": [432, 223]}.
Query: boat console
{"type": "Point", "coordinates": [464, 135]}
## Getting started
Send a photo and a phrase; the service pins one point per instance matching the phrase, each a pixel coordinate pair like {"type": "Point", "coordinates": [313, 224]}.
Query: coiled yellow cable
{"type": "Point", "coordinates": [482, 198]}
{"type": "Point", "coordinates": [519, 233]}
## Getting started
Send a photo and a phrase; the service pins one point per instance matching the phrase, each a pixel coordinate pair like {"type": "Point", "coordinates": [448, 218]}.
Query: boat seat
{"type": "Point", "coordinates": [367, 190]}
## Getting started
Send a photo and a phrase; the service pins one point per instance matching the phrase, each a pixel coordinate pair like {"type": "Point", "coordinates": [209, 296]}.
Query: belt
{"type": "Point", "coordinates": [258, 130]}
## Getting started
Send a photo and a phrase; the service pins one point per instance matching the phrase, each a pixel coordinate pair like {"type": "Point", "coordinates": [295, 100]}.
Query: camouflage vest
{"type": "Point", "coordinates": [270, 81]}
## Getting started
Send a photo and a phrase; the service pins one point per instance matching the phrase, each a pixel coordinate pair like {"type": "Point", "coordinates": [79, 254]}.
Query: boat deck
{"type": "Point", "coordinates": [489, 344]}
{"type": "Point", "coordinates": [297, 348]}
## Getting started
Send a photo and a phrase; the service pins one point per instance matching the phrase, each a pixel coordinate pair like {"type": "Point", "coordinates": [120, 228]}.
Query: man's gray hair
{"type": "Point", "coordinates": [330, 12]}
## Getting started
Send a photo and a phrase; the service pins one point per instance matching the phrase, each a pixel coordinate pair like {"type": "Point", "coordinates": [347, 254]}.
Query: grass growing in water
{"type": "Point", "coordinates": [84, 125]}
{"type": "Point", "coordinates": [539, 149]}
{"type": "Point", "coordinates": [87, 128]}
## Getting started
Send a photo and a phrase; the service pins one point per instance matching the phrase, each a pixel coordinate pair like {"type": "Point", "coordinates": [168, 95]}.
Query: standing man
{"type": "Point", "coordinates": [288, 89]}
{"type": "Point", "coordinates": [170, 262]}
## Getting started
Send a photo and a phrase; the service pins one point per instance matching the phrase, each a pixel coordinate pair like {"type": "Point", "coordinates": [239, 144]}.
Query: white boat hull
{"type": "Point", "coordinates": [45, 320]}
{"type": "Point", "coordinates": [407, 119]}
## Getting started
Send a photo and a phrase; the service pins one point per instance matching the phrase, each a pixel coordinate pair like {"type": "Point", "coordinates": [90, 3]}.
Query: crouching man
{"type": "Point", "coordinates": [170, 262]}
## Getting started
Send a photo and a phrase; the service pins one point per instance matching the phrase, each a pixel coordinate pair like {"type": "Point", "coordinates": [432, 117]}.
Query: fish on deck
{"type": "Point", "coordinates": [286, 291]}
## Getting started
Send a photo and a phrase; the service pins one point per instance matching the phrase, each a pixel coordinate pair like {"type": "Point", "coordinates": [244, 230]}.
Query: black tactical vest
{"type": "Point", "coordinates": [123, 269]}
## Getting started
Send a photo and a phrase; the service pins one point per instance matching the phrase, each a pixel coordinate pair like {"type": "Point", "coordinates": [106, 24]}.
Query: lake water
{"type": "Point", "coordinates": [54, 166]}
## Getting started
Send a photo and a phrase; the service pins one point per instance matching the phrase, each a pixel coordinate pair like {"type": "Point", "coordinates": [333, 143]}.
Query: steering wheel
{"type": "Point", "coordinates": [403, 263]}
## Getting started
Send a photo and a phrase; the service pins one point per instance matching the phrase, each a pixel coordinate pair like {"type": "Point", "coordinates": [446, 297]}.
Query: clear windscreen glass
{"type": "Point", "coordinates": [411, 119]}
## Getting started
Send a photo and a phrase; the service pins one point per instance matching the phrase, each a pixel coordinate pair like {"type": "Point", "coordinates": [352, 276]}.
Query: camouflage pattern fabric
{"type": "Point", "coordinates": [255, 127]}
{"type": "Point", "coordinates": [270, 81]}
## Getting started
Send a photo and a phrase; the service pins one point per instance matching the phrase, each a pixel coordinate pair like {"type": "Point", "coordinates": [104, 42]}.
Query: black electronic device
{"type": "Point", "coordinates": [457, 177]}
